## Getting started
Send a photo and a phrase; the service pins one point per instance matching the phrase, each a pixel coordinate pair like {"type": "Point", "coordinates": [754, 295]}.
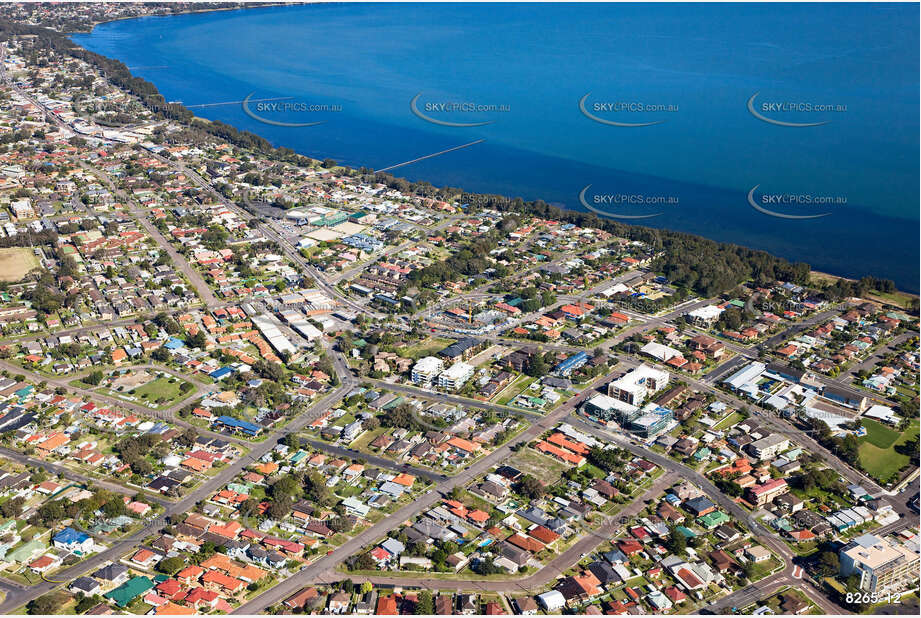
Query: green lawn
{"type": "Point", "coordinates": [539, 466]}
{"type": "Point", "coordinates": [161, 388]}
{"type": "Point", "coordinates": [729, 421]}
{"type": "Point", "coordinates": [883, 463]}
{"type": "Point", "coordinates": [879, 435]}
{"type": "Point", "coordinates": [518, 386]}
{"type": "Point", "coordinates": [426, 347]}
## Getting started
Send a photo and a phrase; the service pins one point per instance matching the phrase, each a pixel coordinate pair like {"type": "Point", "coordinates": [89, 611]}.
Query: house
{"type": "Point", "coordinates": [444, 605]}
{"type": "Point", "coordinates": [701, 505]}
{"type": "Point", "coordinates": [338, 603]}
{"type": "Point", "coordinates": [387, 606]}
{"type": "Point", "coordinates": [526, 606]}
{"type": "Point", "coordinates": [793, 605]}
{"type": "Point", "coordinates": [299, 600]}
{"type": "Point", "coordinates": [130, 590]}
{"type": "Point", "coordinates": [84, 585]}
{"type": "Point", "coordinates": [760, 495]}
{"type": "Point", "coordinates": [145, 558]}
{"type": "Point", "coordinates": [71, 540]}
{"type": "Point", "coordinates": [112, 574]}
{"type": "Point", "coordinates": [757, 553]}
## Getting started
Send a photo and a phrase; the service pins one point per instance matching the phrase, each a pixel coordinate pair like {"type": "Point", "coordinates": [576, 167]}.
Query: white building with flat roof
{"type": "Point", "coordinates": [660, 352]}
{"type": "Point", "coordinates": [426, 370]}
{"type": "Point", "coordinates": [883, 566]}
{"type": "Point", "coordinates": [704, 316]}
{"type": "Point", "coordinates": [455, 376]}
{"type": "Point", "coordinates": [634, 386]}
{"type": "Point", "coordinates": [745, 376]}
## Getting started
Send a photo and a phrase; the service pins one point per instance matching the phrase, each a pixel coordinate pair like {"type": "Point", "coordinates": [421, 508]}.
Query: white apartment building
{"type": "Point", "coordinates": [455, 376]}
{"type": "Point", "coordinates": [426, 370]}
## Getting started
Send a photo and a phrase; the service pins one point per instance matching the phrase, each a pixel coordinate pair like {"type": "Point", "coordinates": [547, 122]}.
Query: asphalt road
{"type": "Point", "coordinates": [327, 564]}
{"type": "Point", "coordinates": [122, 547]}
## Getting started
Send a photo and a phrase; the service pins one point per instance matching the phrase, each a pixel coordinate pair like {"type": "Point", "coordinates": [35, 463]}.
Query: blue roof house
{"type": "Point", "coordinates": [72, 540]}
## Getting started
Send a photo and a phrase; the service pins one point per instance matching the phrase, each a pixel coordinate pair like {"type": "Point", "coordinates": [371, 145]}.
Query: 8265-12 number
{"type": "Point", "coordinates": [871, 598]}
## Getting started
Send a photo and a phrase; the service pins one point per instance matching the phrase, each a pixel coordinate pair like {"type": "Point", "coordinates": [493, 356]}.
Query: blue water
{"type": "Point", "coordinates": [540, 60]}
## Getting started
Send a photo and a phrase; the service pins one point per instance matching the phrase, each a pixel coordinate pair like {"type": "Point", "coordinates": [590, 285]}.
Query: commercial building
{"type": "Point", "coordinates": [748, 375]}
{"type": "Point", "coordinates": [846, 397]}
{"type": "Point", "coordinates": [270, 328]}
{"type": "Point", "coordinates": [882, 566]}
{"type": "Point", "coordinates": [426, 370]}
{"type": "Point", "coordinates": [652, 421]}
{"type": "Point", "coordinates": [634, 386]}
{"type": "Point", "coordinates": [608, 409]}
{"type": "Point", "coordinates": [646, 422]}
{"type": "Point", "coordinates": [704, 317]}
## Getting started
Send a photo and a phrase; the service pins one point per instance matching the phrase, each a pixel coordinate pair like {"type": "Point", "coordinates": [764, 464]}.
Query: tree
{"type": "Point", "coordinates": [829, 563]}
{"type": "Point", "coordinates": [340, 524]}
{"type": "Point", "coordinates": [363, 562]}
{"type": "Point", "coordinates": [44, 605]}
{"type": "Point", "coordinates": [530, 487]}
{"type": "Point", "coordinates": [677, 543]}
{"type": "Point", "coordinates": [198, 340]}
{"type": "Point", "coordinates": [12, 507]}
{"type": "Point", "coordinates": [50, 513]}
{"type": "Point", "coordinates": [171, 566]}
{"type": "Point", "coordinates": [425, 605]}
{"type": "Point", "coordinates": [536, 367]}
{"type": "Point", "coordinates": [292, 441]}
{"type": "Point", "coordinates": [84, 603]}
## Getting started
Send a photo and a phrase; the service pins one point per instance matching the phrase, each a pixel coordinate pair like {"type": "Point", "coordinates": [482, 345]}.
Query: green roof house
{"type": "Point", "coordinates": [713, 519]}
{"type": "Point", "coordinates": [129, 591]}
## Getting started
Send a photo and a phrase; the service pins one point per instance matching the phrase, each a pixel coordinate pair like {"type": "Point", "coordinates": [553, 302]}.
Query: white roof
{"type": "Point", "coordinates": [707, 312]}
{"type": "Point", "coordinates": [609, 403]}
{"type": "Point", "coordinates": [553, 599]}
{"type": "Point", "coordinates": [659, 351]}
{"type": "Point", "coordinates": [633, 379]}
{"type": "Point", "coordinates": [883, 413]}
{"type": "Point", "coordinates": [747, 374]}
{"type": "Point", "coordinates": [429, 364]}
{"type": "Point", "coordinates": [457, 370]}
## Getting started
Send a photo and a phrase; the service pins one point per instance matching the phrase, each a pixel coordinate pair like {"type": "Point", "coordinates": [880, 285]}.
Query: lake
{"type": "Point", "coordinates": [709, 118]}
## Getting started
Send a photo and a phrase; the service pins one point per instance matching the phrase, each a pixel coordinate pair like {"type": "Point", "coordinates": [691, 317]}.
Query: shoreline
{"type": "Point", "coordinates": [243, 6]}
{"type": "Point", "coordinates": [898, 298]}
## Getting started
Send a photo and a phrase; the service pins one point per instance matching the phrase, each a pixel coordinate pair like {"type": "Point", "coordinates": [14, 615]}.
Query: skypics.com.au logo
{"type": "Point", "coordinates": [795, 113]}
{"type": "Point", "coordinates": [629, 206]}
{"type": "Point", "coordinates": [428, 110]}
{"type": "Point", "coordinates": [612, 113]}
{"type": "Point", "coordinates": [793, 205]}
{"type": "Point", "coordinates": [259, 110]}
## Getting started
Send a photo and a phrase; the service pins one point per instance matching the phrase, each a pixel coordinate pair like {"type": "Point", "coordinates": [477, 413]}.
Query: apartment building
{"type": "Point", "coordinates": [883, 566]}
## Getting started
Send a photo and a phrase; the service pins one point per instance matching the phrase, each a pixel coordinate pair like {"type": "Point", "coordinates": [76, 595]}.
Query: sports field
{"type": "Point", "coordinates": [16, 262]}
{"type": "Point", "coordinates": [877, 449]}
